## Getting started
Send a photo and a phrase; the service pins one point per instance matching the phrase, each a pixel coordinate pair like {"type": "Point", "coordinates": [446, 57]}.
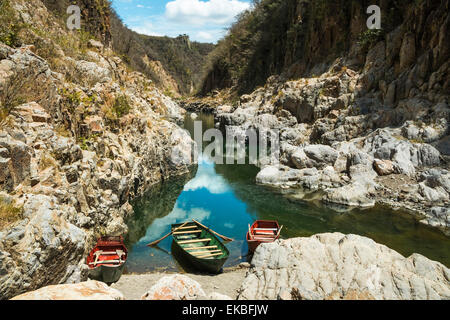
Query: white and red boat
{"type": "Point", "coordinates": [262, 231]}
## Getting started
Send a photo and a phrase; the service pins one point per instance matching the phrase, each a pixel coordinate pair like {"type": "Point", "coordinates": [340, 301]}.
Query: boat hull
{"type": "Point", "coordinates": [253, 244]}
{"type": "Point", "coordinates": [213, 266]}
{"type": "Point", "coordinates": [107, 274]}
{"type": "Point", "coordinates": [106, 261]}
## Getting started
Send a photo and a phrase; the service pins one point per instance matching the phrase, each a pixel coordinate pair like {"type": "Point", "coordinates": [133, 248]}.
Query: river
{"type": "Point", "coordinates": [226, 198]}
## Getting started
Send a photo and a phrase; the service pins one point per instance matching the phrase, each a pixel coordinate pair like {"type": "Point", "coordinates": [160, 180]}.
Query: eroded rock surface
{"type": "Point", "coordinates": [85, 138]}
{"type": "Point", "coordinates": [89, 290]}
{"type": "Point", "coordinates": [175, 287]}
{"type": "Point", "coordinates": [338, 266]}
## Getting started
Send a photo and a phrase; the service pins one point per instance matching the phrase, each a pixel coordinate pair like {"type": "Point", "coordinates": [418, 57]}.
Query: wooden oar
{"type": "Point", "coordinates": [154, 243]}
{"type": "Point", "coordinates": [279, 231]}
{"type": "Point", "coordinates": [217, 234]}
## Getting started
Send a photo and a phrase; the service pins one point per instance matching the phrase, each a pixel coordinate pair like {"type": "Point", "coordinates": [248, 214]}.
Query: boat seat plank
{"type": "Point", "coordinates": [194, 241]}
{"type": "Point", "coordinates": [187, 227]}
{"type": "Point", "coordinates": [106, 261]}
{"type": "Point", "coordinates": [197, 248]}
{"type": "Point", "coordinates": [101, 252]}
{"type": "Point", "coordinates": [210, 255]}
{"type": "Point", "coordinates": [105, 252]}
{"type": "Point", "coordinates": [186, 237]}
{"type": "Point", "coordinates": [186, 232]}
{"type": "Point", "coordinates": [205, 252]}
{"type": "Point", "coordinates": [266, 229]}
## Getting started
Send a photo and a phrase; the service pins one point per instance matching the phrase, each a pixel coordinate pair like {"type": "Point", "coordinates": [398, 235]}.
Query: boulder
{"type": "Point", "coordinates": [338, 266]}
{"type": "Point", "coordinates": [20, 154]}
{"type": "Point", "coordinates": [278, 176]}
{"type": "Point", "coordinates": [182, 148]}
{"type": "Point", "coordinates": [91, 73]}
{"type": "Point", "coordinates": [352, 195]}
{"type": "Point", "coordinates": [175, 287]}
{"type": "Point", "coordinates": [318, 156]}
{"type": "Point", "coordinates": [387, 144]}
{"type": "Point", "coordinates": [383, 167]}
{"type": "Point", "coordinates": [95, 44]}
{"type": "Point", "coordinates": [437, 217]}
{"type": "Point", "coordinates": [89, 290]}
{"type": "Point", "coordinates": [32, 112]}
{"type": "Point", "coordinates": [324, 155]}
{"type": "Point", "coordinates": [433, 195]}
{"type": "Point", "coordinates": [50, 249]}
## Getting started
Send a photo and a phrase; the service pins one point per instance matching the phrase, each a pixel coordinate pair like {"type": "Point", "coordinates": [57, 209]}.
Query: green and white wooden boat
{"type": "Point", "coordinates": [199, 246]}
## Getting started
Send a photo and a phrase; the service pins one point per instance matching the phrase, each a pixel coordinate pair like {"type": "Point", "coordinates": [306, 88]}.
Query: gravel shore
{"type": "Point", "coordinates": [134, 286]}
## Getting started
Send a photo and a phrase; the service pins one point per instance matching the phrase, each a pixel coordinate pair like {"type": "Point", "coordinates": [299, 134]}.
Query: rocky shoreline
{"type": "Point", "coordinates": [351, 157]}
{"type": "Point", "coordinates": [330, 266]}
{"type": "Point", "coordinates": [368, 126]}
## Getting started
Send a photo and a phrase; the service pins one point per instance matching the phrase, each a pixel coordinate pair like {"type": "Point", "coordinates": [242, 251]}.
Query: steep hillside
{"type": "Point", "coordinates": [181, 58]}
{"type": "Point", "coordinates": [80, 137]}
{"type": "Point", "coordinates": [174, 64]}
{"type": "Point", "coordinates": [300, 38]}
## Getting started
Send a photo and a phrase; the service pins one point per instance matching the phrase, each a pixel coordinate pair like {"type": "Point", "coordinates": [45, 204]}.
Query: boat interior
{"type": "Point", "coordinates": [265, 231]}
{"type": "Point", "coordinates": [107, 252]}
{"type": "Point", "coordinates": [108, 257]}
{"type": "Point", "coordinates": [198, 242]}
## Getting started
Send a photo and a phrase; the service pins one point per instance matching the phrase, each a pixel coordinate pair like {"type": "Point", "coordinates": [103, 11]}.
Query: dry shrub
{"type": "Point", "coordinates": [9, 212]}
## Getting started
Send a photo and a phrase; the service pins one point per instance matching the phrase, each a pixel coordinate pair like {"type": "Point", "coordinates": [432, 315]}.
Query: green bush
{"type": "Point", "coordinates": [121, 106]}
{"type": "Point", "coordinates": [370, 37]}
{"type": "Point", "coordinates": [9, 26]}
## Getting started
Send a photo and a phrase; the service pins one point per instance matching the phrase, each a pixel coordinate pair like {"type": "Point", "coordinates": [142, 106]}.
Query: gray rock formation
{"type": "Point", "coordinates": [337, 266]}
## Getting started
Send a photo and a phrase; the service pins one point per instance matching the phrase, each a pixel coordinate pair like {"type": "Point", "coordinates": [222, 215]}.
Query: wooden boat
{"type": "Point", "coordinates": [107, 260]}
{"type": "Point", "coordinates": [262, 231]}
{"type": "Point", "coordinates": [199, 246]}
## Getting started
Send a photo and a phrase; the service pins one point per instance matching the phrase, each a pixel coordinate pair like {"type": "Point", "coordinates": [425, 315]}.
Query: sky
{"type": "Point", "coordinates": [202, 20]}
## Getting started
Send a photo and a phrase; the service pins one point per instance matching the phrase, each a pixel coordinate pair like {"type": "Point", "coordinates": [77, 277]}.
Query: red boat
{"type": "Point", "coordinates": [107, 260]}
{"type": "Point", "coordinates": [262, 231]}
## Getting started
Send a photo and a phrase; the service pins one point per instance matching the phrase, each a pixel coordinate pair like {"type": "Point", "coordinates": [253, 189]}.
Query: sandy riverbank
{"type": "Point", "coordinates": [134, 286]}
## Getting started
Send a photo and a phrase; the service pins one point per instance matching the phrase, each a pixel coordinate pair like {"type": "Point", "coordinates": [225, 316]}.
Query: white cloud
{"type": "Point", "coordinates": [206, 179]}
{"type": "Point", "coordinates": [205, 36]}
{"type": "Point", "coordinates": [146, 28]}
{"type": "Point", "coordinates": [202, 20]}
{"type": "Point", "coordinates": [178, 215]}
{"type": "Point", "coordinates": [197, 12]}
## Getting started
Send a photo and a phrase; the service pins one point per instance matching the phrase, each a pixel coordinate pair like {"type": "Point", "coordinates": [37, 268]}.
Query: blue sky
{"type": "Point", "coordinates": [202, 20]}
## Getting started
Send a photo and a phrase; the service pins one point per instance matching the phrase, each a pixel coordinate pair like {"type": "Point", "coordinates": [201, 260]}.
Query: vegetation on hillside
{"type": "Point", "coordinates": [9, 25]}
{"type": "Point", "coordinates": [9, 212]}
{"type": "Point", "coordinates": [181, 58]}
{"type": "Point", "coordinates": [290, 37]}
